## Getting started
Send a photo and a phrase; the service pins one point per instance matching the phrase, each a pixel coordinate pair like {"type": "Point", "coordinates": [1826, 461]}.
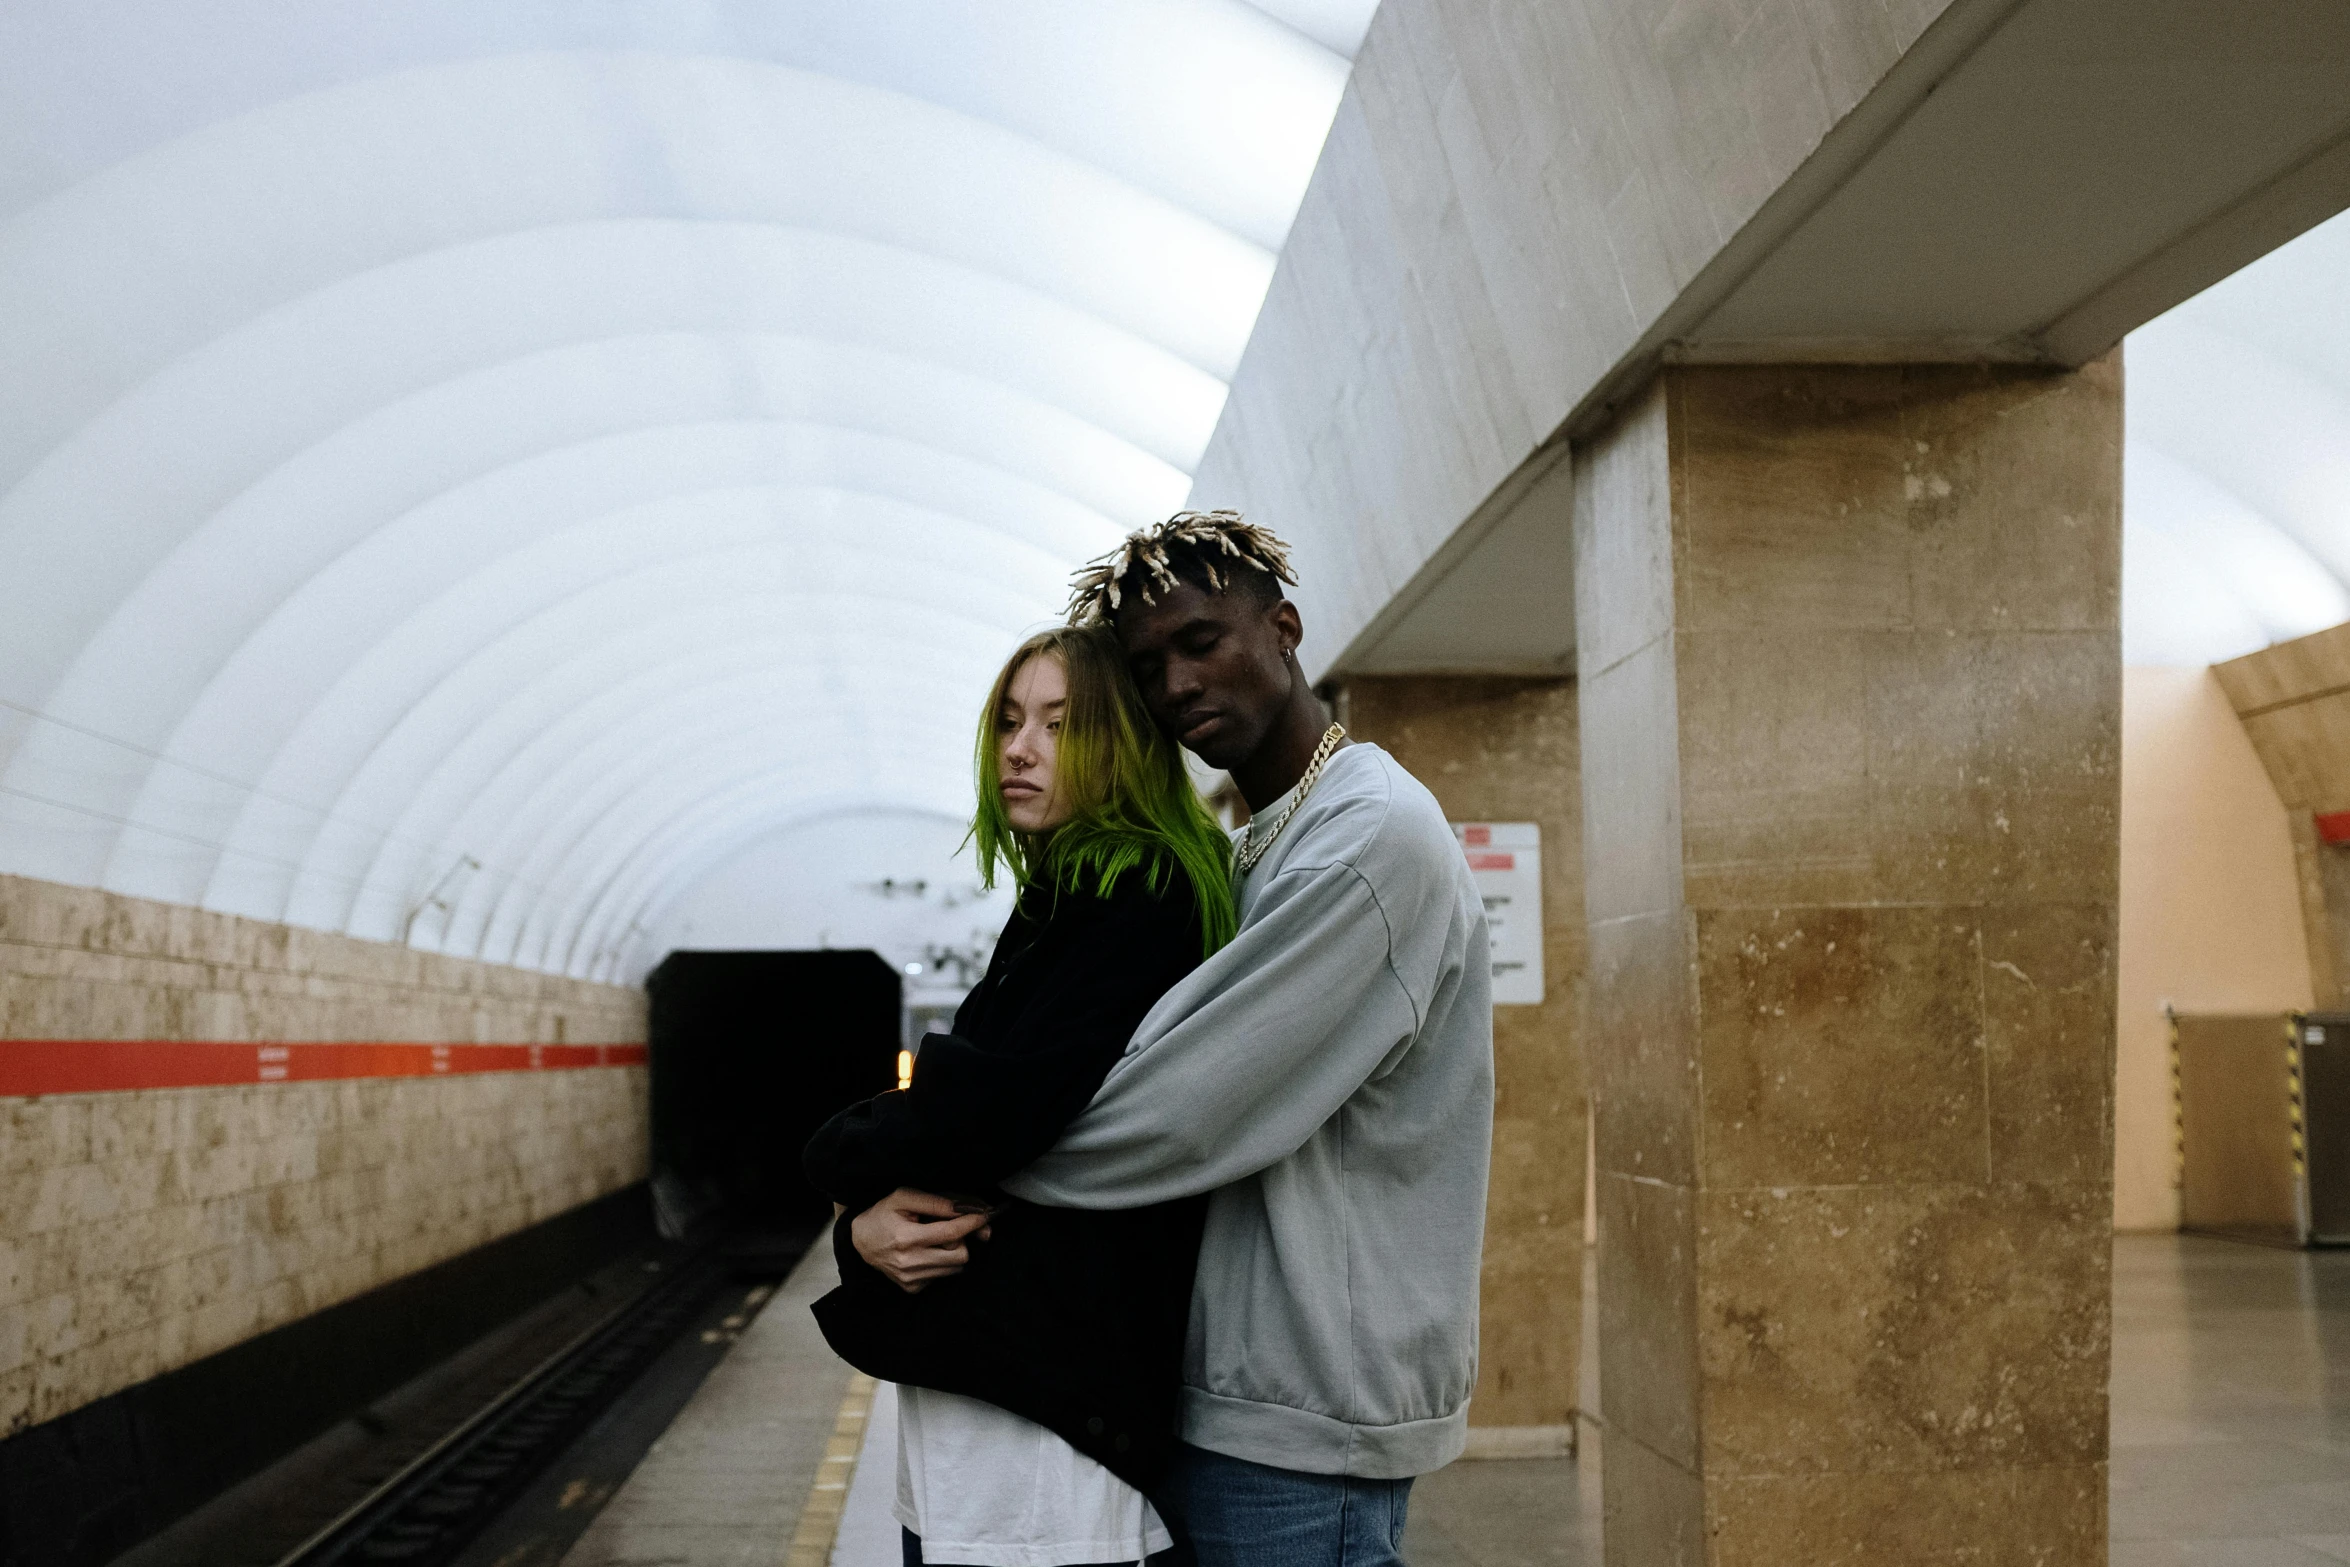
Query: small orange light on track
{"type": "Point", "coordinates": [905, 1069]}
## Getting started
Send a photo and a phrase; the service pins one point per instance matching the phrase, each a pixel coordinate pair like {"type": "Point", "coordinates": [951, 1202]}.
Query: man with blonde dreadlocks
{"type": "Point", "coordinates": [1327, 1078]}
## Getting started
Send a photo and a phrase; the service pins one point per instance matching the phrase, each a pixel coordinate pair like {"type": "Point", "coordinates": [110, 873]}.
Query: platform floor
{"type": "Point", "coordinates": [2231, 1405]}
{"type": "Point", "coordinates": [2231, 1439]}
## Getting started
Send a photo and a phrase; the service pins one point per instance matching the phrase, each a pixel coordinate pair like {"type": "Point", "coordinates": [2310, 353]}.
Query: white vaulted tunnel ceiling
{"type": "Point", "coordinates": [466, 470]}
{"type": "Point", "coordinates": [2236, 475]}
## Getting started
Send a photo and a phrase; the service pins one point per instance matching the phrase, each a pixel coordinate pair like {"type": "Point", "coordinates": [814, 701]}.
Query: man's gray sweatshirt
{"type": "Point", "coordinates": [1329, 1077]}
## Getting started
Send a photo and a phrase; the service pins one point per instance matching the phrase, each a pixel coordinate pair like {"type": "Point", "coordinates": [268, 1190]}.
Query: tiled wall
{"type": "Point", "coordinates": [140, 1230]}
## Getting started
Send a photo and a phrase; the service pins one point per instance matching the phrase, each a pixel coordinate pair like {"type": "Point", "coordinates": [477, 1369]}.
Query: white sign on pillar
{"type": "Point", "coordinates": [1506, 860]}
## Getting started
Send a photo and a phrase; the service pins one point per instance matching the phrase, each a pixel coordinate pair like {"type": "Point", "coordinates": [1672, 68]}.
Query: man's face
{"type": "Point", "coordinates": [1212, 667]}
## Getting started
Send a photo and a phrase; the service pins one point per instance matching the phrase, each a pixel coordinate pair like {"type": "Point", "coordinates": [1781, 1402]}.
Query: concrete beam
{"type": "Point", "coordinates": [1524, 209]}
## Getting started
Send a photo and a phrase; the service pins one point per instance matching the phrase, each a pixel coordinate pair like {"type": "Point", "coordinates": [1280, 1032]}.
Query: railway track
{"type": "Point", "coordinates": [424, 1513]}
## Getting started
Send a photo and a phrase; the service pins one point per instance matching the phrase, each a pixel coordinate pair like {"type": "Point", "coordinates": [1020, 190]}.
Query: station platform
{"type": "Point", "coordinates": [2231, 1439]}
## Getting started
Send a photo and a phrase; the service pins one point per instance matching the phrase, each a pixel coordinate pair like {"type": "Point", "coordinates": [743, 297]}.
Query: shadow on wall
{"type": "Point", "coordinates": [751, 1052]}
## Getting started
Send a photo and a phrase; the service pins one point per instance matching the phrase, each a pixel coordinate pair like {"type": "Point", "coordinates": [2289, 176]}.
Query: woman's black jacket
{"type": "Point", "coordinates": [1071, 1318]}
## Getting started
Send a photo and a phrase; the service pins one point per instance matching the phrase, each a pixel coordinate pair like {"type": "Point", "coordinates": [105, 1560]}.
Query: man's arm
{"type": "Point", "coordinates": [975, 1113]}
{"type": "Point", "coordinates": [1241, 1063]}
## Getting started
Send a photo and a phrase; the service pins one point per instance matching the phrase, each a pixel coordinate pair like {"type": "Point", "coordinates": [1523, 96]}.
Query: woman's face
{"type": "Point", "coordinates": [1028, 733]}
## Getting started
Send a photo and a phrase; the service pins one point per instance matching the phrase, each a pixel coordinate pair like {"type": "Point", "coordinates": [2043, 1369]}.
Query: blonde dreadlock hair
{"type": "Point", "coordinates": [1215, 545]}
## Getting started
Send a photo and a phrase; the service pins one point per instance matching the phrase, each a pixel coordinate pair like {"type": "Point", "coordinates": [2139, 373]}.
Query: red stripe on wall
{"type": "Point", "coordinates": [91, 1066]}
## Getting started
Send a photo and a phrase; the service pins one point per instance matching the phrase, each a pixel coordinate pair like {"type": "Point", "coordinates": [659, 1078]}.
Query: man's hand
{"type": "Point", "coordinates": [915, 1239]}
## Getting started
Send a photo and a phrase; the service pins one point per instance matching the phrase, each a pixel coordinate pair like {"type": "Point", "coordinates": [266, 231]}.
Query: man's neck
{"type": "Point", "coordinates": [1274, 768]}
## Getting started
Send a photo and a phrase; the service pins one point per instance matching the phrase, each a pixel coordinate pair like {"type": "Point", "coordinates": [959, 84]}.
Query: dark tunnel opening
{"type": "Point", "coordinates": [751, 1052]}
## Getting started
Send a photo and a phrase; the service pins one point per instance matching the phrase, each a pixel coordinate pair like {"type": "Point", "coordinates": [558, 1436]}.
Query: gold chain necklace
{"type": "Point", "coordinates": [1252, 847]}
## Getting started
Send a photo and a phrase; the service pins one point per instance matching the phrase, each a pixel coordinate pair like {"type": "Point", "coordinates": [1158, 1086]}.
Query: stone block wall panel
{"type": "Point", "coordinates": [145, 1228]}
{"type": "Point", "coordinates": [1852, 821]}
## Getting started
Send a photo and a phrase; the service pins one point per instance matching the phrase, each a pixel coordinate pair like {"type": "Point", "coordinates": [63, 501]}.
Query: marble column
{"type": "Point", "coordinates": [1505, 750]}
{"type": "Point", "coordinates": [1850, 688]}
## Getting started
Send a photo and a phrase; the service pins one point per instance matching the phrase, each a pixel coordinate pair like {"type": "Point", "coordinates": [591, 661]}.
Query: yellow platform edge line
{"type": "Point", "coordinates": [811, 1542]}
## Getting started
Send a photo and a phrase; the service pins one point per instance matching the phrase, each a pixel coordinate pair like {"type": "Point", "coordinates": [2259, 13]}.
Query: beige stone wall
{"type": "Point", "coordinates": [2294, 701]}
{"type": "Point", "coordinates": [2210, 912]}
{"type": "Point", "coordinates": [81, 964]}
{"type": "Point", "coordinates": [141, 1230]}
{"type": "Point", "coordinates": [1505, 750]}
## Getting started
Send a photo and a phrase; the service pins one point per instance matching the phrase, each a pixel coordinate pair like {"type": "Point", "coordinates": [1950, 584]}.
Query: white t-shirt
{"type": "Point", "coordinates": [985, 1488]}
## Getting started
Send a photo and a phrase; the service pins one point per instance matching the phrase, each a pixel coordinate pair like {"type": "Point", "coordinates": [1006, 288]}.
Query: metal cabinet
{"type": "Point", "coordinates": [2263, 1117]}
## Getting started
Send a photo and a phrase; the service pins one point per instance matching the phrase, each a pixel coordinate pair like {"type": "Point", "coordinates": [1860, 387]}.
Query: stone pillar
{"type": "Point", "coordinates": [1505, 750]}
{"type": "Point", "coordinates": [1850, 677]}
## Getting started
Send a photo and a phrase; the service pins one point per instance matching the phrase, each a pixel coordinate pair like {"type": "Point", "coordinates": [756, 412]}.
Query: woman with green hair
{"type": "Point", "coordinates": [1039, 1357]}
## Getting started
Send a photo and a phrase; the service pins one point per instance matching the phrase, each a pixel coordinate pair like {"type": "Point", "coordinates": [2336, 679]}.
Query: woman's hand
{"type": "Point", "coordinates": [914, 1239]}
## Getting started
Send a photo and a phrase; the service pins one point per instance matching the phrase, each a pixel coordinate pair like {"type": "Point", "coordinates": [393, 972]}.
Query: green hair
{"type": "Point", "coordinates": [1136, 809]}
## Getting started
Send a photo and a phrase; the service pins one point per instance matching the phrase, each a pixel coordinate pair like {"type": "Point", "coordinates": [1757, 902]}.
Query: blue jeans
{"type": "Point", "coordinates": [1239, 1514]}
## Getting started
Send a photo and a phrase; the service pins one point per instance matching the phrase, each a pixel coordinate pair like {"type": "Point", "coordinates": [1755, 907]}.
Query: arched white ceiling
{"type": "Point", "coordinates": [2237, 466]}
{"type": "Point", "coordinates": [464, 470]}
